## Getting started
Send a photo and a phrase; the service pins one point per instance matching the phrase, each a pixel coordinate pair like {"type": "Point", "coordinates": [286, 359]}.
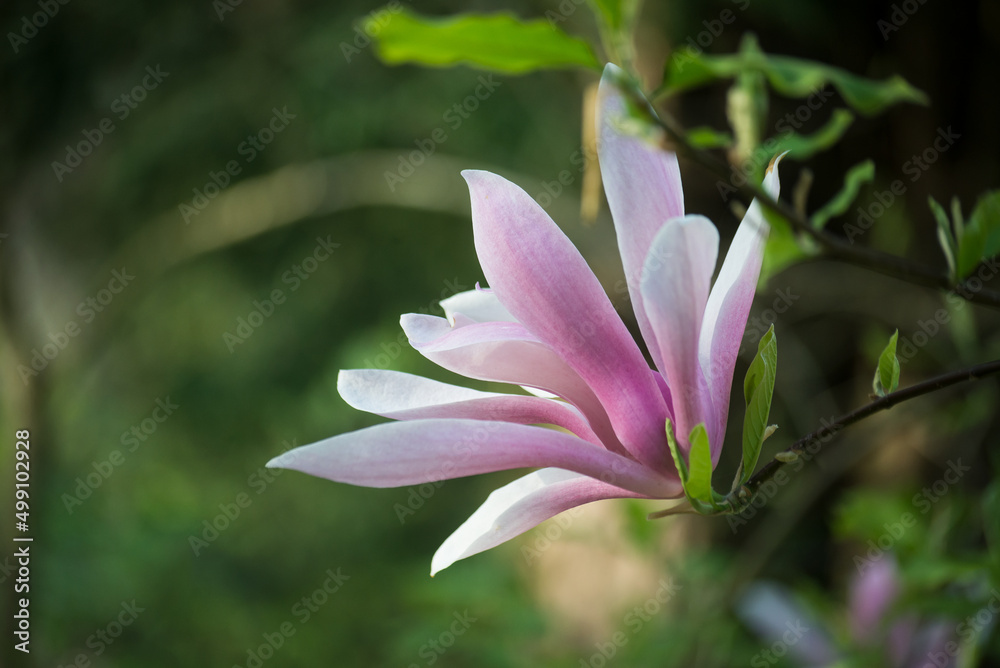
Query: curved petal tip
{"type": "Point", "coordinates": [276, 462]}
{"type": "Point", "coordinates": [773, 165]}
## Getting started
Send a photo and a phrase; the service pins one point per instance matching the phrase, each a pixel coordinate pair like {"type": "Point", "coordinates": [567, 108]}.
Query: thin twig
{"type": "Point", "coordinates": [815, 440]}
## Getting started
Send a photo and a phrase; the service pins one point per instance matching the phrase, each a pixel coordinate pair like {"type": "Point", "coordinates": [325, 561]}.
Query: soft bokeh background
{"type": "Point", "coordinates": [559, 595]}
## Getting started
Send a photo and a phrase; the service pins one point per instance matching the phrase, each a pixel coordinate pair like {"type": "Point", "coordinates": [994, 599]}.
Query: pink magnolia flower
{"type": "Point", "coordinates": [547, 325]}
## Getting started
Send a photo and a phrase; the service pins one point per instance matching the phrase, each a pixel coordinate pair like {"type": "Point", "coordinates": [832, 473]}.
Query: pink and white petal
{"type": "Point", "coordinates": [675, 283]}
{"type": "Point", "coordinates": [643, 187]}
{"type": "Point", "coordinates": [411, 453]}
{"type": "Point", "coordinates": [729, 305]}
{"type": "Point", "coordinates": [517, 507]}
{"type": "Point", "coordinates": [403, 396]}
{"type": "Point", "coordinates": [479, 305]}
{"type": "Point", "coordinates": [871, 596]}
{"type": "Point", "coordinates": [542, 279]}
{"type": "Point", "coordinates": [505, 352]}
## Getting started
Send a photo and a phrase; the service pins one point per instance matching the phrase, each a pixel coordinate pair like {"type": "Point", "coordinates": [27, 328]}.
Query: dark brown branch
{"type": "Point", "coordinates": [818, 437]}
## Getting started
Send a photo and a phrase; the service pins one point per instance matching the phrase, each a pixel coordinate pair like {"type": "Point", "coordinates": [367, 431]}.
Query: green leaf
{"type": "Point", "coordinates": [802, 147]}
{"type": "Point", "coordinates": [980, 238]}
{"type": "Point", "coordinates": [887, 374]}
{"type": "Point", "coordinates": [746, 104]}
{"type": "Point", "coordinates": [696, 481]}
{"type": "Point", "coordinates": [944, 234]}
{"type": "Point", "coordinates": [699, 485]}
{"type": "Point", "coordinates": [609, 11]}
{"type": "Point", "coordinates": [758, 391]}
{"type": "Point", "coordinates": [784, 246]}
{"type": "Point", "coordinates": [682, 469]}
{"type": "Point", "coordinates": [856, 176]}
{"type": "Point", "coordinates": [499, 42]}
{"type": "Point", "coordinates": [706, 137]}
{"type": "Point", "coordinates": [793, 77]}
{"type": "Point", "coordinates": [956, 217]}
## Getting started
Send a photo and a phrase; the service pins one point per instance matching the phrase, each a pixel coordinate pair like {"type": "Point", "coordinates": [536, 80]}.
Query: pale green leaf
{"type": "Point", "coordinates": [758, 391]}
{"type": "Point", "coordinates": [793, 77]}
{"type": "Point", "coordinates": [802, 147]}
{"type": "Point", "coordinates": [945, 237]}
{"type": "Point", "coordinates": [699, 484]}
{"type": "Point", "coordinates": [980, 238]}
{"type": "Point", "coordinates": [784, 247]}
{"type": "Point", "coordinates": [746, 105]}
{"type": "Point", "coordinates": [856, 176]}
{"type": "Point", "coordinates": [887, 374]}
{"type": "Point", "coordinates": [682, 469]}
{"type": "Point", "coordinates": [499, 42]}
{"type": "Point", "coordinates": [609, 11]}
{"type": "Point", "coordinates": [706, 137]}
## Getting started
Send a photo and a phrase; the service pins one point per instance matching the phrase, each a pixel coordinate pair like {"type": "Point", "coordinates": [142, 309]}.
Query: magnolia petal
{"type": "Point", "coordinates": [403, 396]}
{"type": "Point", "coordinates": [729, 306]}
{"type": "Point", "coordinates": [505, 352]}
{"type": "Point", "coordinates": [479, 305]}
{"type": "Point", "coordinates": [871, 596]}
{"type": "Point", "coordinates": [675, 283]}
{"type": "Point", "coordinates": [770, 611]}
{"type": "Point", "coordinates": [517, 507]}
{"type": "Point", "coordinates": [411, 453]}
{"type": "Point", "coordinates": [544, 282]}
{"type": "Point", "coordinates": [643, 187]}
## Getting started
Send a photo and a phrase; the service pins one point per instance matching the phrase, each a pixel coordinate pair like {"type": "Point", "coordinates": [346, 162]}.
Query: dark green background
{"type": "Point", "coordinates": [400, 251]}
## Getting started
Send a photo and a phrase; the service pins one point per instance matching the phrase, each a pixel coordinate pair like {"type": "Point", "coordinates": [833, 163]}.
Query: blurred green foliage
{"type": "Point", "coordinates": [220, 554]}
